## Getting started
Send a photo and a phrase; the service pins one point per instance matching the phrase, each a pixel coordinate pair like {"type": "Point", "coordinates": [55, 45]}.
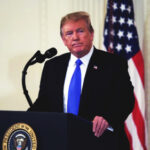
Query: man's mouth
{"type": "Point", "coordinates": [77, 45]}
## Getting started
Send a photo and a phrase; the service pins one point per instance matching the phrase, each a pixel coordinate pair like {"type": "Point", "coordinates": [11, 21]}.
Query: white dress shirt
{"type": "Point", "coordinates": [70, 70]}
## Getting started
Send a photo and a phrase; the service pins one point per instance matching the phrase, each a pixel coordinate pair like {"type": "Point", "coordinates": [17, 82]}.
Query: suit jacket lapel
{"type": "Point", "coordinates": [94, 68]}
{"type": "Point", "coordinates": [94, 65]}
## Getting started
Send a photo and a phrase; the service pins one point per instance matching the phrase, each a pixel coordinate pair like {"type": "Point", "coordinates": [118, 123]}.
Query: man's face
{"type": "Point", "coordinates": [77, 37]}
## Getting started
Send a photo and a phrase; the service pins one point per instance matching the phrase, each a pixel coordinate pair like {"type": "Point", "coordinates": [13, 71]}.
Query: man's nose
{"type": "Point", "coordinates": [75, 36]}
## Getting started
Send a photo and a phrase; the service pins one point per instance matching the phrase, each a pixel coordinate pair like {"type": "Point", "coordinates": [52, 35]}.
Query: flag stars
{"type": "Point", "coordinates": [129, 9]}
{"type": "Point", "coordinates": [120, 34]}
{"type": "Point", "coordinates": [111, 45]}
{"type": "Point", "coordinates": [114, 19]}
{"type": "Point", "coordinates": [129, 35]}
{"type": "Point", "coordinates": [121, 20]}
{"type": "Point", "coordinates": [106, 19]}
{"type": "Point", "coordinates": [130, 22]}
{"type": "Point", "coordinates": [112, 32]}
{"type": "Point", "coordinates": [128, 48]}
{"type": "Point", "coordinates": [106, 32]}
{"type": "Point", "coordinates": [119, 47]}
{"type": "Point", "coordinates": [122, 7]}
{"type": "Point", "coordinates": [115, 6]}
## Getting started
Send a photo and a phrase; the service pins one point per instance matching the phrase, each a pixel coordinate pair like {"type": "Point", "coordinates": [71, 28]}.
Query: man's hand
{"type": "Point", "coordinates": [99, 125]}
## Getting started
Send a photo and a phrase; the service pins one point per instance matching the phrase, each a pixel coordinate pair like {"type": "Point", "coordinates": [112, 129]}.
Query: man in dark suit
{"type": "Point", "coordinates": [107, 94]}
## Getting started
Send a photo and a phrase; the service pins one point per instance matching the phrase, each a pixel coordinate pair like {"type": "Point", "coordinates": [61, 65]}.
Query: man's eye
{"type": "Point", "coordinates": [80, 30]}
{"type": "Point", "coordinates": [69, 33]}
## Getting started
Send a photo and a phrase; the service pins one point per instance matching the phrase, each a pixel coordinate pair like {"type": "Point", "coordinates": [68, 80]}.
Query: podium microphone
{"type": "Point", "coordinates": [37, 57]}
{"type": "Point", "coordinates": [48, 54]}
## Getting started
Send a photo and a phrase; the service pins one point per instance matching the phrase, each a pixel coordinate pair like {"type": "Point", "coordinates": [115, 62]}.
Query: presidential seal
{"type": "Point", "coordinates": [19, 136]}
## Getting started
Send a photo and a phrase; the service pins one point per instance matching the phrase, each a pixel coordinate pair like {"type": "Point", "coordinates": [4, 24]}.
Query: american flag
{"type": "Point", "coordinates": [120, 37]}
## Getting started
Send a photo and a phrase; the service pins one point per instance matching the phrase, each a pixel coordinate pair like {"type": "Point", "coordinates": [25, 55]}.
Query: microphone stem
{"type": "Point", "coordinates": [37, 57]}
{"type": "Point", "coordinates": [24, 72]}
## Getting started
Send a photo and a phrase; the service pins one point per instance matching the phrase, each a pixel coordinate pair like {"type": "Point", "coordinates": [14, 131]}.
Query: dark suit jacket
{"type": "Point", "coordinates": [107, 90]}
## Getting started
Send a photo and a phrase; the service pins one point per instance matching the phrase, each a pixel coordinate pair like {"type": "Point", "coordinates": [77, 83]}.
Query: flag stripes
{"type": "Point", "coordinates": [135, 143]}
{"type": "Point", "coordinates": [129, 137]}
{"type": "Point", "coordinates": [139, 63]}
{"type": "Point", "coordinates": [120, 37]}
{"type": "Point", "coordinates": [139, 121]}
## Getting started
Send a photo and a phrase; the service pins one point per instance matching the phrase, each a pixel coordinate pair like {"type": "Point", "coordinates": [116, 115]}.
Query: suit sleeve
{"type": "Point", "coordinates": [122, 98]}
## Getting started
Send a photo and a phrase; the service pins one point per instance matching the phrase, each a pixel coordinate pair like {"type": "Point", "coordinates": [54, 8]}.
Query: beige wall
{"type": "Point", "coordinates": [29, 25]}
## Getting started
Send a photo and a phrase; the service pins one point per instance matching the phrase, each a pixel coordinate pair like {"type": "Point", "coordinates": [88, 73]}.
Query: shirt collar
{"type": "Point", "coordinates": [85, 59]}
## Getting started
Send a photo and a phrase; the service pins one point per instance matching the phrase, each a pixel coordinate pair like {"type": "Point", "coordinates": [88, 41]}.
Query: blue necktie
{"type": "Point", "coordinates": [75, 90]}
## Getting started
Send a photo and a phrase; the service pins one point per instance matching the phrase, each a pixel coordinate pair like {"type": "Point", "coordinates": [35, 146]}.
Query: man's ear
{"type": "Point", "coordinates": [92, 36]}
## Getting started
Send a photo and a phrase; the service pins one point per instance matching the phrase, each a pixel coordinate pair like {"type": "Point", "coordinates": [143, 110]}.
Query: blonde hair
{"type": "Point", "coordinates": [75, 16]}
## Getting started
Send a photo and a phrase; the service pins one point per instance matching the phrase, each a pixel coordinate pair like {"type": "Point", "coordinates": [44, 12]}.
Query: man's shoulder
{"type": "Point", "coordinates": [59, 59]}
{"type": "Point", "coordinates": [108, 58]}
